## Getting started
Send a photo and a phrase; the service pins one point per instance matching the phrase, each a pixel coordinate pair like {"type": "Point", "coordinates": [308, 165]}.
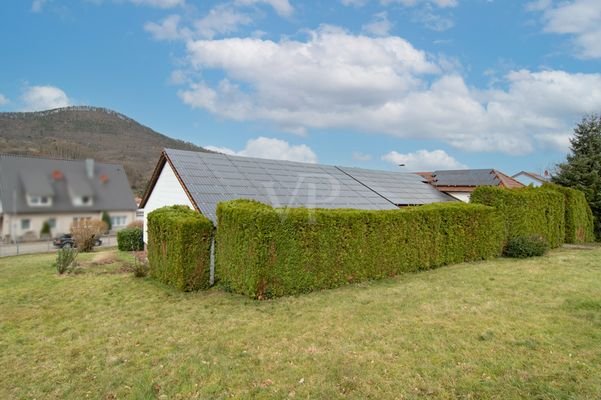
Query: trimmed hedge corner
{"type": "Point", "coordinates": [130, 239]}
{"type": "Point", "coordinates": [179, 247]}
{"type": "Point", "coordinates": [265, 252]}
{"type": "Point", "coordinates": [578, 215]}
{"type": "Point", "coordinates": [527, 211]}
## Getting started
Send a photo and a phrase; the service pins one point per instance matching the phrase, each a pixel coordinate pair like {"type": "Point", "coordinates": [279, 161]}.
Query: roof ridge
{"type": "Point", "coordinates": [51, 158]}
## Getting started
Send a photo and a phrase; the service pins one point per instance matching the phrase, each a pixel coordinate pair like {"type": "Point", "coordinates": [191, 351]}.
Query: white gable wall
{"type": "Point", "coordinates": [167, 191]}
{"type": "Point", "coordinates": [462, 196]}
{"type": "Point", "coordinates": [527, 180]}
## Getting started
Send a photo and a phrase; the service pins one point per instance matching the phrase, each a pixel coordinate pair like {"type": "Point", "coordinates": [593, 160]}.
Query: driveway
{"type": "Point", "coordinates": [43, 247]}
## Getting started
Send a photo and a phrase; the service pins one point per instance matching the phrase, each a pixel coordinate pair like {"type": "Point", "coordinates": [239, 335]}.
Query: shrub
{"type": "Point", "coordinates": [130, 239]}
{"type": "Point", "coordinates": [136, 224]}
{"type": "Point", "coordinates": [46, 230]}
{"type": "Point", "coordinates": [179, 242]}
{"type": "Point", "coordinates": [578, 215]}
{"type": "Point", "coordinates": [527, 211]}
{"type": "Point", "coordinates": [264, 252]}
{"type": "Point", "coordinates": [526, 246]}
{"type": "Point", "coordinates": [65, 259]}
{"type": "Point", "coordinates": [107, 220]}
{"type": "Point", "coordinates": [85, 232]}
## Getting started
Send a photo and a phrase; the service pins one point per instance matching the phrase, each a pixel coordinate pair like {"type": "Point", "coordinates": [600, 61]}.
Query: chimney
{"type": "Point", "coordinates": [90, 168]}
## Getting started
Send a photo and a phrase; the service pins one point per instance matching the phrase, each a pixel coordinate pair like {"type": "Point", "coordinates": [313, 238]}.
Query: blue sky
{"type": "Point", "coordinates": [432, 84]}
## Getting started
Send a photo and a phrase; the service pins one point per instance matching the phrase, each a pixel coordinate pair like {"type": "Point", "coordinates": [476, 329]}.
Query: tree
{"type": "Point", "coordinates": [582, 170]}
{"type": "Point", "coordinates": [85, 233]}
{"type": "Point", "coordinates": [107, 220]}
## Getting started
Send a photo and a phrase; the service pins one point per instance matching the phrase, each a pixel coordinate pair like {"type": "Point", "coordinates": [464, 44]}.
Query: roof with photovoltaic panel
{"type": "Point", "coordinates": [210, 178]}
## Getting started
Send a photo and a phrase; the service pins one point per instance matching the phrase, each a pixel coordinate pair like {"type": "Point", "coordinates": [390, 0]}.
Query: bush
{"type": "Point", "coordinates": [65, 260]}
{"type": "Point", "coordinates": [130, 239]}
{"type": "Point", "coordinates": [179, 242]}
{"type": "Point", "coordinates": [46, 230]}
{"type": "Point", "coordinates": [526, 246]}
{"type": "Point", "coordinates": [85, 232]}
{"type": "Point", "coordinates": [527, 211]}
{"type": "Point", "coordinates": [106, 218]}
{"type": "Point", "coordinates": [264, 252]}
{"type": "Point", "coordinates": [578, 215]}
{"type": "Point", "coordinates": [136, 224]}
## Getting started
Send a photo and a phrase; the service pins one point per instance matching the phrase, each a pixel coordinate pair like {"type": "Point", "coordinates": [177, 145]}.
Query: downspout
{"type": "Point", "coordinates": [212, 261]}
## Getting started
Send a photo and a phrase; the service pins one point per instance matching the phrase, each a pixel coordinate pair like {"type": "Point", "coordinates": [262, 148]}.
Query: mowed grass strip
{"type": "Point", "coordinates": [501, 329]}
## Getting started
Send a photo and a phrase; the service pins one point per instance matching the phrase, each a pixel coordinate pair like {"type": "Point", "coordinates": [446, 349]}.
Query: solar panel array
{"type": "Point", "coordinates": [467, 177]}
{"type": "Point", "coordinates": [211, 178]}
{"type": "Point", "coordinates": [399, 188]}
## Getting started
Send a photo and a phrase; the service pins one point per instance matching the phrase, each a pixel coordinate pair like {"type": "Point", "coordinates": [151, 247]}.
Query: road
{"type": "Point", "coordinates": [7, 250]}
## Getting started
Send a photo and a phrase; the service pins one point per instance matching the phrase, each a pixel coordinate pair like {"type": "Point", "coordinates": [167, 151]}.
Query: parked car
{"type": "Point", "coordinates": [66, 241]}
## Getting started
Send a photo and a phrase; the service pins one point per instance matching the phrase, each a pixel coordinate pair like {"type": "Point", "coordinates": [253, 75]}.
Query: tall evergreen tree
{"type": "Point", "coordinates": [582, 170]}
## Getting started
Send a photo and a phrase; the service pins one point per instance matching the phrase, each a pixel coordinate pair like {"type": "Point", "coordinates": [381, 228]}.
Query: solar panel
{"type": "Point", "coordinates": [211, 178]}
{"type": "Point", "coordinates": [398, 187]}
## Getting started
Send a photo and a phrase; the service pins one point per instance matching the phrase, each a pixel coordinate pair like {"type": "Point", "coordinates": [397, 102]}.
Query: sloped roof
{"type": "Point", "coordinates": [399, 188]}
{"type": "Point", "coordinates": [23, 175]}
{"type": "Point", "coordinates": [211, 178]}
{"type": "Point", "coordinates": [532, 175]}
{"type": "Point", "coordinates": [470, 178]}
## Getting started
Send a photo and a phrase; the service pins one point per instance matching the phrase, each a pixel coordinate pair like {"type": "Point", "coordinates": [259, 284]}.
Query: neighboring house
{"type": "Point", "coordinates": [37, 190]}
{"type": "Point", "coordinates": [530, 178]}
{"type": "Point", "coordinates": [461, 183]}
{"type": "Point", "coordinates": [201, 180]}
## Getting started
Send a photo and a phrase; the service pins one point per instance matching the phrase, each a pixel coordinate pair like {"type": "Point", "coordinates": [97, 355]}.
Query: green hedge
{"type": "Point", "coordinates": [578, 215]}
{"type": "Point", "coordinates": [527, 211]}
{"type": "Point", "coordinates": [179, 242]}
{"type": "Point", "coordinates": [264, 252]}
{"type": "Point", "coordinates": [130, 239]}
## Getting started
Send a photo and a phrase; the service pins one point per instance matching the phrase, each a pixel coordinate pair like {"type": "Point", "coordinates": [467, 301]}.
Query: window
{"type": "Point", "coordinates": [25, 224]}
{"type": "Point", "coordinates": [52, 223]}
{"type": "Point", "coordinates": [39, 201]}
{"type": "Point", "coordinates": [119, 220]}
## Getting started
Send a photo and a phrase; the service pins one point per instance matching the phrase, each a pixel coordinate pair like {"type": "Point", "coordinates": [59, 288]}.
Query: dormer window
{"type": "Point", "coordinates": [82, 201]}
{"type": "Point", "coordinates": [39, 201]}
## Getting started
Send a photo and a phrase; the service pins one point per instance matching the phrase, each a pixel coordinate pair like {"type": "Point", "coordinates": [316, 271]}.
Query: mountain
{"type": "Point", "coordinates": [88, 132]}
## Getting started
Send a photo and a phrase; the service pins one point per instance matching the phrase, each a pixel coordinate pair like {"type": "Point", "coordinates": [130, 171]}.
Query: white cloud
{"type": "Point", "coordinates": [424, 160]}
{"type": "Point", "coordinates": [37, 98]}
{"type": "Point", "coordinates": [159, 3]}
{"type": "Point", "coordinates": [220, 20]}
{"type": "Point", "coordinates": [167, 29]}
{"type": "Point", "coordinates": [354, 3]}
{"type": "Point", "coordinates": [336, 80]}
{"type": "Point", "coordinates": [431, 20]}
{"type": "Point", "coordinates": [282, 7]}
{"type": "Point", "coordinates": [359, 156]}
{"type": "Point", "coordinates": [37, 5]}
{"type": "Point", "coordinates": [271, 148]}
{"type": "Point", "coordinates": [380, 25]}
{"type": "Point", "coordinates": [3, 100]}
{"type": "Point", "coordinates": [412, 3]}
{"type": "Point", "coordinates": [581, 19]}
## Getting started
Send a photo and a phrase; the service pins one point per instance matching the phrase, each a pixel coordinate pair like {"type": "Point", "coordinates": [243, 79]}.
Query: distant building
{"type": "Point", "coordinates": [38, 190]}
{"type": "Point", "coordinates": [531, 178]}
{"type": "Point", "coordinates": [201, 180]}
{"type": "Point", "coordinates": [461, 183]}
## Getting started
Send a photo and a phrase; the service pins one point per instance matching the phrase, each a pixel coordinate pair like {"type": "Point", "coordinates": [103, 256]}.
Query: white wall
{"type": "Point", "coordinates": [167, 191]}
{"type": "Point", "coordinates": [462, 196]}
{"type": "Point", "coordinates": [526, 180]}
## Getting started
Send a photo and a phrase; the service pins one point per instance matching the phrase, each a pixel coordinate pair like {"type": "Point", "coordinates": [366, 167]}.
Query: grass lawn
{"type": "Point", "coordinates": [501, 329]}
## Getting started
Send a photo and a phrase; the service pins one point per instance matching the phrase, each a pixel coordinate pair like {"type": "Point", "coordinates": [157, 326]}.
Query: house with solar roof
{"type": "Point", "coordinates": [462, 182]}
{"type": "Point", "coordinates": [202, 180]}
{"type": "Point", "coordinates": [34, 191]}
